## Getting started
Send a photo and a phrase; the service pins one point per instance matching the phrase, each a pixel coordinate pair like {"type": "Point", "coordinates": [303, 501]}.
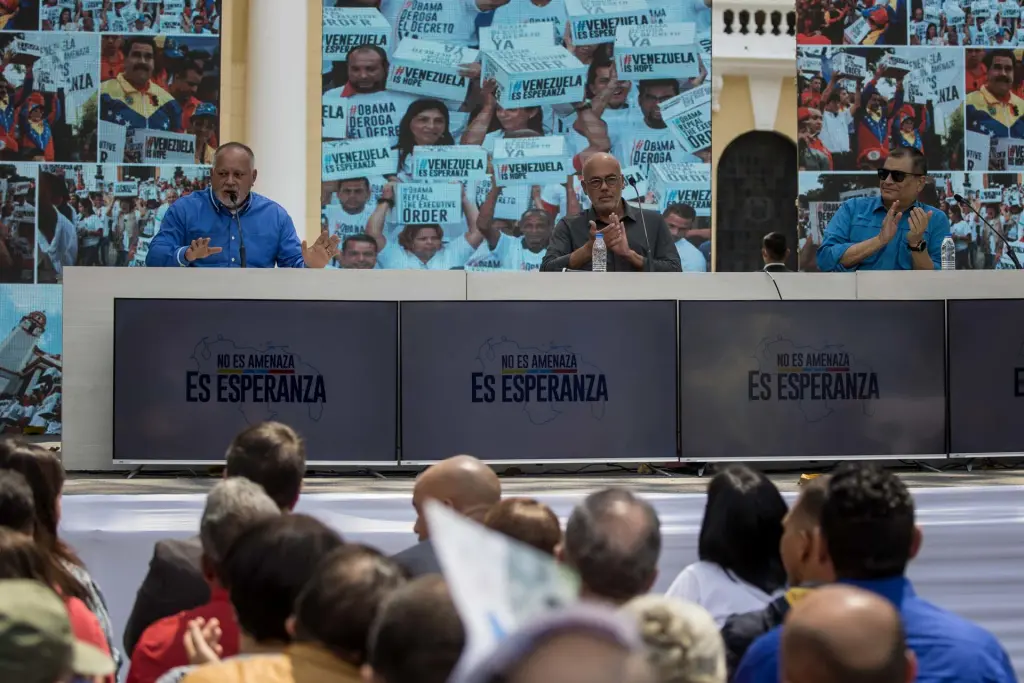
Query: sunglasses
{"type": "Point", "coordinates": [897, 176]}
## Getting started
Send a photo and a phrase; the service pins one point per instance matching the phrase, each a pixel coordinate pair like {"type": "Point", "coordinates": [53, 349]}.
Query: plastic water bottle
{"type": "Point", "coordinates": [599, 259]}
{"type": "Point", "coordinates": [948, 254]}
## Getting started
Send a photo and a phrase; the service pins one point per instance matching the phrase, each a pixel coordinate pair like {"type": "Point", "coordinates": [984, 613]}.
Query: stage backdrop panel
{"type": "Point", "coordinates": [190, 374]}
{"type": "Point", "coordinates": [986, 375]}
{"type": "Point", "coordinates": [538, 381]}
{"type": "Point", "coordinates": [786, 379]}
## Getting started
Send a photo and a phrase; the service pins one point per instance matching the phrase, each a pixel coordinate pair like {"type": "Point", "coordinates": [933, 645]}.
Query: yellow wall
{"type": "Point", "coordinates": [234, 47]}
{"type": "Point", "coordinates": [314, 97]}
{"type": "Point", "coordinates": [735, 116]}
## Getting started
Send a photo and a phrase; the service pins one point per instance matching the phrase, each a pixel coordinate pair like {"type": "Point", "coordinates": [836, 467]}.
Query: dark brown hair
{"type": "Point", "coordinates": [528, 521]}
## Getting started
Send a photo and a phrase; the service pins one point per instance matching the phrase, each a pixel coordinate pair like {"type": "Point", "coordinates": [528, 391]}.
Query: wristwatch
{"type": "Point", "coordinates": [921, 246]}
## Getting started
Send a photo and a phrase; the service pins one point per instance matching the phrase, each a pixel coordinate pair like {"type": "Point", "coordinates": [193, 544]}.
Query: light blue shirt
{"type": "Point", "coordinates": [860, 219]}
{"type": "Point", "coordinates": [270, 237]}
{"type": "Point", "coordinates": [691, 258]}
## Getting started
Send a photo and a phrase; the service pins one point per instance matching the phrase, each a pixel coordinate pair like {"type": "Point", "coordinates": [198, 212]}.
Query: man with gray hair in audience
{"type": "Point", "coordinates": [613, 541]}
{"type": "Point", "coordinates": [233, 506]}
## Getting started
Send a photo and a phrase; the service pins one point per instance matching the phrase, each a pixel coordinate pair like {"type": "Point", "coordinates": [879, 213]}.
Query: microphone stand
{"type": "Point", "coordinates": [238, 223]}
{"type": "Point", "coordinates": [649, 261]}
{"type": "Point", "coordinates": [1013, 254]}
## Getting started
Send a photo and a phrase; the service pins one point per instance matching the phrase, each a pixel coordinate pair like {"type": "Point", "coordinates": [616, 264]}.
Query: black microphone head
{"type": "Point", "coordinates": [233, 196]}
{"type": "Point", "coordinates": [959, 199]}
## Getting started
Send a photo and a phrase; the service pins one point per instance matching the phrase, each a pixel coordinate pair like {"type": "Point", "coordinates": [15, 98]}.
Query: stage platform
{"type": "Point", "coordinates": [973, 528]}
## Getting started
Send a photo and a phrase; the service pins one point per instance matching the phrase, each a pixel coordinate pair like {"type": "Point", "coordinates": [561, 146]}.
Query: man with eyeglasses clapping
{"type": "Point", "coordinates": [892, 232]}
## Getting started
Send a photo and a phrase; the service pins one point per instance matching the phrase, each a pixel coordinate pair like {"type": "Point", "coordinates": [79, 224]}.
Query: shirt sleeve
{"type": "Point", "coordinates": [559, 249]}
{"type": "Point", "coordinates": [289, 249]}
{"type": "Point", "coordinates": [685, 587]}
{"type": "Point", "coordinates": [169, 245]}
{"type": "Point", "coordinates": [390, 257]}
{"type": "Point", "coordinates": [835, 242]}
{"type": "Point", "coordinates": [457, 253]}
{"type": "Point", "coordinates": [938, 230]}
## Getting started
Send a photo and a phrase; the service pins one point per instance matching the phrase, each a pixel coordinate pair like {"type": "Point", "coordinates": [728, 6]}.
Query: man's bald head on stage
{"type": "Point", "coordinates": [842, 634]}
{"type": "Point", "coordinates": [462, 483]}
{"type": "Point", "coordinates": [602, 181]}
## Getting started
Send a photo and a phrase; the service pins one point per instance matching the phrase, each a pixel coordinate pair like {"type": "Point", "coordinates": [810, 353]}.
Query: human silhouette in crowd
{"type": "Point", "coordinates": [528, 521]}
{"type": "Point", "coordinates": [269, 454]}
{"type": "Point", "coordinates": [681, 640]}
{"type": "Point", "coordinates": [867, 525]}
{"type": "Point", "coordinates": [843, 633]}
{"type": "Point", "coordinates": [613, 541]}
{"type": "Point", "coordinates": [462, 483]}
{"type": "Point", "coordinates": [740, 567]}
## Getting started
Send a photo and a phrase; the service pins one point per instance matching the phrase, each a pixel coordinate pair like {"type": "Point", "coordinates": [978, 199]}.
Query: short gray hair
{"type": "Point", "coordinates": [232, 506]}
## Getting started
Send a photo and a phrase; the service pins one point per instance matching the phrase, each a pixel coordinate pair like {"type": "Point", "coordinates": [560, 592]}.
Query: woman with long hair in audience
{"type": "Point", "coordinates": [740, 567]}
{"type": "Point", "coordinates": [44, 473]}
{"type": "Point", "coordinates": [492, 121]}
{"type": "Point", "coordinates": [426, 122]}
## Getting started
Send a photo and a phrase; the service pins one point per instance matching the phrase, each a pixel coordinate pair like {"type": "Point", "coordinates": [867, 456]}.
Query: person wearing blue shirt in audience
{"type": "Point", "coordinates": [868, 532]}
{"type": "Point", "coordinates": [200, 230]}
{"type": "Point", "coordinates": [891, 232]}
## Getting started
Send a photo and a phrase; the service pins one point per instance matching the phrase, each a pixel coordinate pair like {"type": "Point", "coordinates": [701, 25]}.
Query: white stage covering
{"type": "Point", "coordinates": [971, 561]}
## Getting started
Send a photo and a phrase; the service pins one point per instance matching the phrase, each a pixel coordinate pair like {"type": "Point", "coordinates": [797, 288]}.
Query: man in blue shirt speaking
{"type": "Point", "coordinates": [203, 229]}
{"type": "Point", "coordinates": [891, 232]}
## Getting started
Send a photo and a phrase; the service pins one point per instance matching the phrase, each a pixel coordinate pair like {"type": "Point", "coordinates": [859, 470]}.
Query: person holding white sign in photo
{"type": "Point", "coordinates": [421, 246]}
{"type": "Point", "coordinates": [229, 224]}
{"type": "Point", "coordinates": [514, 253]}
{"type": "Point", "coordinates": [203, 124]}
{"type": "Point", "coordinates": [493, 122]}
{"type": "Point", "coordinates": [425, 123]}
{"type": "Point", "coordinates": [55, 233]}
{"type": "Point", "coordinates": [532, 11]}
{"type": "Point", "coordinates": [609, 100]}
{"type": "Point", "coordinates": [345, 205]}
{"type": "Point", "coordinates": [446, 21]}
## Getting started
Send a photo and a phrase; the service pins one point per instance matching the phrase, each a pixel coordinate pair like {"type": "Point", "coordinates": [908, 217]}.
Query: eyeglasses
{"type": "Point", "coordinates": [611, 181]}
{"type": "Point", "coordinates": [897, 176]}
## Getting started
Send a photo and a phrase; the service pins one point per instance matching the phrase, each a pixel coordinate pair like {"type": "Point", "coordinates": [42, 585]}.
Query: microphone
{"type": "Point", "coordinates": [233, 196]}
{"type": "Point", "coordinates": [1013, 254]}
{"type": "Point", "coordinates": [649, 261]}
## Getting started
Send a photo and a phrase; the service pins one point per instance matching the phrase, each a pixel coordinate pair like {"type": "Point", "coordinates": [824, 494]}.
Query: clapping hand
{"type": "Point", "coordinates": [323, 250]}
{"type": "Point", "coordinates": [202, 642]}
{"type": "Point", "coordinates": [918, 224]}
{"type": "Point", "coordinates": [200, 249]}
{"type": "Point", "coordinates": [615, 237]}
{"type": "Point", "coordinates": [891, 222]}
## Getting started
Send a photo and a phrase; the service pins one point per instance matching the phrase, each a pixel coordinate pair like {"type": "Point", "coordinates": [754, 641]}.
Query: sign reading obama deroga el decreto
{"type": "Point", "coordinates": [344, 159]}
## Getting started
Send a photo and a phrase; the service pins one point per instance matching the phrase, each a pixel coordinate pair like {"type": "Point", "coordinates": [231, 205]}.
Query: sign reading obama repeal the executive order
{"type": "Point", "coordinates": [819, 378]}
{"type": "Point", "coordinates": [532, 161]}
{"type": "Point", "coordinates": [657, 51]}
{"type": "Point", "coordinates": [346, 28]}
{"type": "Point", "coordinates": [529, 78]}
{"type": "Point", "coordinates": [540, 375]}
{"type": "Point", "coordinates": [344, 159]}
{"type": "Point", "coordinates": [426, 68]}
{"type": "Point", "coordinates": [417, 203]}
{"type": "Point", "coordinates": [449, 162]}
{"type": "Point", "coordinates": [688, 117]}
{"type": "Point", "coordinates": [596, 21]}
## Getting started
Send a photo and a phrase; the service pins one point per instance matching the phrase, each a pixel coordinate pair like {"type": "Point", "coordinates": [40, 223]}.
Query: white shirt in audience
{"type": "Point", "coordinates": [720, 592]}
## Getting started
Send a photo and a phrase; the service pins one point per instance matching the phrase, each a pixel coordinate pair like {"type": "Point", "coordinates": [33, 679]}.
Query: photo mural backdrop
{"type": "Point", "coordinates": [441, 99]}
{"type": "Point", "coordinates": [943, 76]}
{"type": "Point", "coordinates": [109, 111]}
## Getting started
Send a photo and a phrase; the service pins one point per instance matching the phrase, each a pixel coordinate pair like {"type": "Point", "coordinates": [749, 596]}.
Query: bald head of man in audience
{"type": "Point", "coordinates": [462, 483]}
{"type": "Point", "coordinates": [842, 634]}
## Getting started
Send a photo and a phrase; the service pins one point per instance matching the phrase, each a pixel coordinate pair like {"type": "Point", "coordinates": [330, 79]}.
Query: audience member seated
{"type": "Point", "coordinates": [264, 571]}
{"type": "Point", "coordinates": [37, 644]}
{"type": "Point", "coordinates": [462, 483]}
{"type": "Point", "coordinates": [613, 541]}
{"type": "Point", "coordinates": [580, 644]}
{"type": "Point", "coordinates": [21, 559]}
{"type": "Point", "coordinates": [527, 521]}
{"type": "Point", "coordinates": [681, 640]}
{"type": "Point", "coordinates": [330, 627]}
{"type": "Point", "coordinates": [867, 525]}
{"type": "Point", "coordinates": [807, 565]}
{"type": "Point", "coordinates": [417, 636]}
{"type": "Point", "coordinates": [841, 634]}
{"type": "Point", "coordinates": [740, 567]}
{"type": "Point", "coordinates": [270, 454]}
{"type": "Point", "coordinates": [44, 473]}
{"type": "Point", "coordinates": [232, 506]}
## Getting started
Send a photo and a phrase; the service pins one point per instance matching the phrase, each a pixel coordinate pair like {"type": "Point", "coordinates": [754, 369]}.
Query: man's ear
{"type": "Point", "coordinates": [254, 174]}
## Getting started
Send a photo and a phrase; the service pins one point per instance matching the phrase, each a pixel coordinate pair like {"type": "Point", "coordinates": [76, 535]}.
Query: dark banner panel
{"type": "Point", "coordinates": [532, 381]}
{"type": "Point", "coordinates": [811, 379]}
{"type": "Point", "coordinates": [986, 375]}
{"type": "Point", "coordinates": [190, 374]}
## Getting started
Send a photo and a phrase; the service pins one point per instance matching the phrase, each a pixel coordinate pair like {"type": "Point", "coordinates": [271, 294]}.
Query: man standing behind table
{"type": "Point", "coordinates": [572, 241]}
{"type": "Point", "coordinates": [891, 232]}
{"type": "Point", "coordinates": [201, 230]}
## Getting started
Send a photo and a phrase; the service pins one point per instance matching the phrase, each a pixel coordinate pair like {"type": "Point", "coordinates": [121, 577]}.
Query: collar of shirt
{"type": "Point", "coordinates": [879, 206]}
{"type": "Point", "coordinates": [894, 589]}
{"type": "Point", "coordinates": [218, 205]}
{"type": "Point", "coordinates": [631, 213]}
{"type": "Point", "coordinates": [130, 89]}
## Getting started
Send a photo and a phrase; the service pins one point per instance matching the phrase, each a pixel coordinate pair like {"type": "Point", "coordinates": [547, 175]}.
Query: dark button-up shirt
{"type": "Point", "coordinates": [573, 232]}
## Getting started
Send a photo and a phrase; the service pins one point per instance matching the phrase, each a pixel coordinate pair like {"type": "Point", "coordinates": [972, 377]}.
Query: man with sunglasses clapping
{"type": "Point", "coordinates": [891, 232]}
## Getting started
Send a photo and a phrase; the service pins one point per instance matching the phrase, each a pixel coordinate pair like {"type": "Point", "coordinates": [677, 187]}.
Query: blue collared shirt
{"type": "Point", "coordinates": [948, 647]}
{"type": "Point", "coordinates": [270, 237]}
{"type": "Point", "coordinates": [860, 219]}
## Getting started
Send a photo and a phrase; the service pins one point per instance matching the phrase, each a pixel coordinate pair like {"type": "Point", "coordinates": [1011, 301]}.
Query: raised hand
{"type": "Point", "coordinates": [891, 222]}
{"type": "Point", "coordinates": [323, 250]}
{"type": "Point", "coordinates": [918, 224]}
{"type": "Point", "coordinates": [202, 642]}
{"type": "Point", "coordinates": [200, 249]}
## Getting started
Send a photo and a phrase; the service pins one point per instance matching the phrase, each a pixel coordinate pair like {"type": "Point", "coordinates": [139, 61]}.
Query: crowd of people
{"type": "Point", "coordinates": [200, 17]}
{"type": "Point", "coordinates": [851, 22]}
{"type": "Point", "coordinates": [619, 116]}
{"type": "Point", "coordinates": [815, 592]}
